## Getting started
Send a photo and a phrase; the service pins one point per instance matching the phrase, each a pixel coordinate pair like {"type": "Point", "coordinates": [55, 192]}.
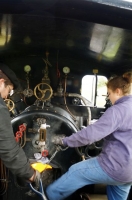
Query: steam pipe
{"type": "Point", "coordinates": [86, 103]}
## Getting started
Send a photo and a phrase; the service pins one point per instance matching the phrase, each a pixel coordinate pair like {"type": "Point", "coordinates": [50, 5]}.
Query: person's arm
{"type": "Point", "coordinates": [11, 153]}
{"type": "Point", "coordinates": [108, 123]}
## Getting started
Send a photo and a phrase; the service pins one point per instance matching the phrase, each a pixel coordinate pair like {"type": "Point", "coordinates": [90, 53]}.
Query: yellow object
{"type": "Point", "coordinates": [40, 166]}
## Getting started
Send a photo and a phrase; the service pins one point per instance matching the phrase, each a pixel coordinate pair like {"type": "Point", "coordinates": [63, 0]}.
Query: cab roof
{"type": "Point", "coordinates": [83, 35]}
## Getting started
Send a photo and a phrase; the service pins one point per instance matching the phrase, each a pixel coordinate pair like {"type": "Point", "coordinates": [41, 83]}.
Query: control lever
{"type": "Point", "coordinates": [41, 192]}
{"type": "Point", "coordinates": [58, 148]}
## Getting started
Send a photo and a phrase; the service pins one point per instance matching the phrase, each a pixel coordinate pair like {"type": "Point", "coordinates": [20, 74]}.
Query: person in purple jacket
{"type": "Point", "coordinates": [113, 166]}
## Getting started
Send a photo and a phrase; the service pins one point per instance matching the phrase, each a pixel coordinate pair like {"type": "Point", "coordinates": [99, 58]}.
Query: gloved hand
{"type": "Point", "coordinates": [57, 140]}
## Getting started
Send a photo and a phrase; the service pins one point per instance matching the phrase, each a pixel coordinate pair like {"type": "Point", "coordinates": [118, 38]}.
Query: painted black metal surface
{"type": "Point", "coordinates": [59, 124]}
{"type": "Point", "coordinates": [83, 34]}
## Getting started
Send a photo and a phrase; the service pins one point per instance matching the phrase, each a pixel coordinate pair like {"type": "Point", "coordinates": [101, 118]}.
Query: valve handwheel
{"type": "Point", "coordinates": [44, 91]}
{"type": "Point", "coordinates": [45, 153]}
{"type": "Point", "coordinates": [10, 104]}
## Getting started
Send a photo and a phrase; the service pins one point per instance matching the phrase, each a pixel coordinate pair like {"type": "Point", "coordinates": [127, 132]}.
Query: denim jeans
{"type": "Point", "coordinates": [85, 173]}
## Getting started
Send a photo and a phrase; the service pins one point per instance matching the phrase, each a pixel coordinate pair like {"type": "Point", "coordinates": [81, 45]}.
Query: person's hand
{"type": "Point", "coordinates": [35, 182]}
{"type": "Point", "coordinates": [35, 178]}
{"type": "Point", "coordinates": [58, 140]}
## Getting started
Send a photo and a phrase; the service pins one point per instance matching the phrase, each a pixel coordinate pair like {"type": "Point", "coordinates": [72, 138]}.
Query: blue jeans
{"type": "Point", "coordinates": [85, 173]}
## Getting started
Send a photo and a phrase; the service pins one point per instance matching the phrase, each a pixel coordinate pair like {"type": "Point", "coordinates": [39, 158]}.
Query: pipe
{"type": "Point", "coordinates": [86, 103]}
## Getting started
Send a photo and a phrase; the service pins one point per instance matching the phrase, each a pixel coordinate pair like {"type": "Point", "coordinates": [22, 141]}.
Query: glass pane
{"type": "Point", "coordinates": [88, 89]}
{"type": "Point", "coordinates": [101, 91]}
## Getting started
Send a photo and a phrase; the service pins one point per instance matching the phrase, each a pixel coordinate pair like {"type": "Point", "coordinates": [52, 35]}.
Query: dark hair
{"type": "Point", "coordinates": [124, 83]}
{"type": "Point", "coordinates": [10, 74]}
{"type": "Point", "coordinates": [7, 80]}
{"type": "Point", "coordinates": [128, 75]}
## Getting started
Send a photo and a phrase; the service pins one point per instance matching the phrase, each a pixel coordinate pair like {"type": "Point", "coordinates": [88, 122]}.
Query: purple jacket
{"type": "Point", "coordinates": [115, 126]}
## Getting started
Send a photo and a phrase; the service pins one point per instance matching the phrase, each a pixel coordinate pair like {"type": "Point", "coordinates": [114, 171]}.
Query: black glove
{"type": "Point", "coordinates": [57, 140]}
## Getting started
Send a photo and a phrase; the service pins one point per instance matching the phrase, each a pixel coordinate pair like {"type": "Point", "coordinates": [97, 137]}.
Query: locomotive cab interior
{"type": "Point", "coordinates": [63, 52]}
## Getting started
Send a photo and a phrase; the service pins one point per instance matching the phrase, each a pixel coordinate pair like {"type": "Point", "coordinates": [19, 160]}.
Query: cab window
{"type": "Point", "coordinates": [89, 91]}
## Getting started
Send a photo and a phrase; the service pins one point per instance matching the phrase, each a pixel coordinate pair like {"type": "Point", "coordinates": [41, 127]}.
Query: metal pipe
{"type": "Point", "coordinates": [86, 103]}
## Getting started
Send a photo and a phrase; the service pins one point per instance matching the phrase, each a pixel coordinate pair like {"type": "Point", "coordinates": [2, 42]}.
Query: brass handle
{"type": "Point", "coordinates": [10, 104]}
{"type": "Point", "coordinates": [43, 92]}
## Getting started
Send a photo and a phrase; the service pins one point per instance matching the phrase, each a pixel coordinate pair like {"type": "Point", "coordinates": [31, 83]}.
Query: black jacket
{"type": "Point", "coordinates": [11, 153]}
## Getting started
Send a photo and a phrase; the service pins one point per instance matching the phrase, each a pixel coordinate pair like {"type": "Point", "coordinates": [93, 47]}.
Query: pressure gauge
{"type": "Point", "coordinates": [27, 68]}
{"type": "Point", "coordinates": [66, 70]}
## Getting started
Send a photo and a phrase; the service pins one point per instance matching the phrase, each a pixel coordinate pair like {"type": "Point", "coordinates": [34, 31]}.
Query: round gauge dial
{"type": "Point", "coordinates": [66, 70]}
{"type": "Point", "coordinates": [27, 68]}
